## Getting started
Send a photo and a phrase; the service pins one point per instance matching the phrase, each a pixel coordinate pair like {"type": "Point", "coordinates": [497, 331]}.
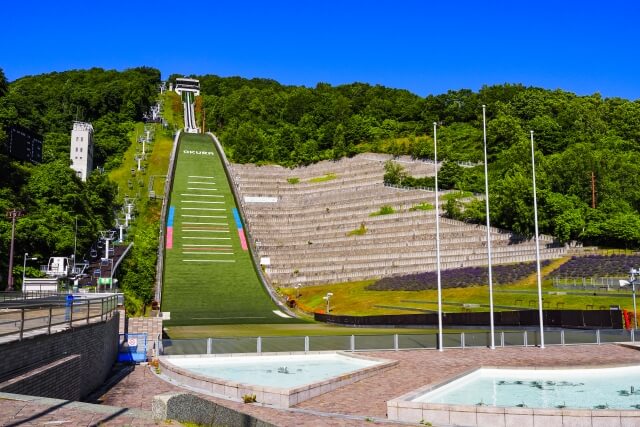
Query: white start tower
{"type": "Point", "coordinates": [82, 149]}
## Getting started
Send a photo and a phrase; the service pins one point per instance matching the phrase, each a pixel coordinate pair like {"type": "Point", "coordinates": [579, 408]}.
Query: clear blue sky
{"type": "Point", "coordinates": [424, 46]}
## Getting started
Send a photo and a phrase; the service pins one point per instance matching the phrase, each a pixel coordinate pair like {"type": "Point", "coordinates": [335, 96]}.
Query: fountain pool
{"type": "Point", "coordinates": [279, 379]}
{"type": "Point", "coordinates": [490, 397]}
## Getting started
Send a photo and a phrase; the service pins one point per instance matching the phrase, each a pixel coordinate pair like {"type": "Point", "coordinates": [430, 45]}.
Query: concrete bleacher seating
{"type": "Point", "coordinates": [307, 235]}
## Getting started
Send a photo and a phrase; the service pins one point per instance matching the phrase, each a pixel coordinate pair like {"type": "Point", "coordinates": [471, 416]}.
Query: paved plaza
{"type": "Point", "coordinates": [128, 402]}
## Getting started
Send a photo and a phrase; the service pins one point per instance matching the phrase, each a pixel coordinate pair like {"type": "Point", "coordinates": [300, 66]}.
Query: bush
{"type": "Point", "coordinates": [360, 231]}
{"type": "Point", "coordinates": [457, 278]}
{"type": "Point", "coordinates": [384, 210]}
{"type": "Point", "coordinates": [422, 207]}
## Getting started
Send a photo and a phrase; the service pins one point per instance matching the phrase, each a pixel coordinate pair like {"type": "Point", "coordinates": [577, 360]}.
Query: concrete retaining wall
{"type": "Point", "coordinates": [65, 365]}
{"type": "Point", "coordinates": [184, 407]}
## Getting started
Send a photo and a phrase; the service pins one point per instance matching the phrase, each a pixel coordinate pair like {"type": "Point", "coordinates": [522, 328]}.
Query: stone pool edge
{"type": "Point", "coordinates": [273, 396]}
{"type": "Point", "coordinates": [403, 409]}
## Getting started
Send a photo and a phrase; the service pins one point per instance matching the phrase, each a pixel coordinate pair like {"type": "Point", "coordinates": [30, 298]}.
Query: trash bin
{"type": "Point", "coordinates": [68, 307]}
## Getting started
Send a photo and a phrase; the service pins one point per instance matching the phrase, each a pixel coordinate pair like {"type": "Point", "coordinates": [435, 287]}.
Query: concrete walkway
{"type": "Point", "coordinates": [21, 410]}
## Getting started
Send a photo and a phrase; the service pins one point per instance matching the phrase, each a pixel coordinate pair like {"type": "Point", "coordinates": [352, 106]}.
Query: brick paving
{"type": "Point", "coordinates": [349, 405]}
{"type": "Point", "coordinates": [49, 412]}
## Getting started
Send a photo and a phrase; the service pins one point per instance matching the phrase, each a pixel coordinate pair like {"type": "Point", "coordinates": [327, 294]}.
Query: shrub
{"type": "Point", "coordinates": [358, 231]}
{"type": "Point", "coordinates": [384, 210]}
{"type": "Point", "coordinates": [457, 278]}
{"type": "Point", "coordinates": [424, 206]}
{"type": "Point", "coordinates": [597, 265]}
{"type": "Point", "coordinates": [249, 398]}
{"type": "Point", "coordinates": [293, 180]}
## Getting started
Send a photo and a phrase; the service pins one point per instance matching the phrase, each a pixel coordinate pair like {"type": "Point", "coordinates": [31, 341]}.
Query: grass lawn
{"type": "Point", "coordinates": [209, 277]}
{"type": "Point", "coordinates": [355, 300]}
{"type": "Point", "coordinates": [157, 162]}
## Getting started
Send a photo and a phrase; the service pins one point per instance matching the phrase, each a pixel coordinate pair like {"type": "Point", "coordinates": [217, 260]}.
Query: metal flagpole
{"type": "Point", "coordinates": [435, 158]}
{"type": "Point", "coordinates": [535, 220]}
{"type": "Point", "coordinates": [486, 195]}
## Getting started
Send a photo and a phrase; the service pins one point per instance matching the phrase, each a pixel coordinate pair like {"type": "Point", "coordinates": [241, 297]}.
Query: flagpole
{"type": "Point", "coordinates": [535, 220]}
{"type": "Point", "coordinates": [435, 158]}
{"type": "Point", "coordinates": [486, 195]}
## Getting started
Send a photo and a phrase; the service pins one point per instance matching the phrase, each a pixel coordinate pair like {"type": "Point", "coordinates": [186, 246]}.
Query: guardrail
{"type": "Point", "coordinates": [168, 185]}
{"type": "Point", "coordinates": [524, 338]}
{"type": "Point", "coordinates": [22, 296]}
{"type": "Point", "coordinates": [53, 313]}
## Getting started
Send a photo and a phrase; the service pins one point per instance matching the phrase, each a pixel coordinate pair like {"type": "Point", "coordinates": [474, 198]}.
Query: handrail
{"type": "Point", "coordinates": [395, 342]}
{"type": "Point", "coordinates": [43, 316]}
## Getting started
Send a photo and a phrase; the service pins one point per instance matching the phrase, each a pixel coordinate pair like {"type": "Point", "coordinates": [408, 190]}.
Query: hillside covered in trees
{"type": "Point", "coordinates": [577, 137]}
{"type": "Point", "coordinates": [262, 121]}
{"type": "Point", "coordinates": [50, 193]}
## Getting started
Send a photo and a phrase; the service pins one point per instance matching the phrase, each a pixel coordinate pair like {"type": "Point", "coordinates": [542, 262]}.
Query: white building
{"type": "Point", "coordinates": [184, 84]}
{"type": "Point", "coordinates": [82, 149]}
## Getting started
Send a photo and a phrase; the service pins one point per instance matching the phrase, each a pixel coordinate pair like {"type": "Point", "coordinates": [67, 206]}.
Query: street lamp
{"type": "Point", "coordinates": [633, 277]}
{"type": "Point", "coordinates": [327, 298]}
{"type": "Point", "coordinates": [24, 267]}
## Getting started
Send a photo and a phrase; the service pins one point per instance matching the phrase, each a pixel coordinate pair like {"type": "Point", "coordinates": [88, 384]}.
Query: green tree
{"type": "Point", "coordinates": [394, 173]}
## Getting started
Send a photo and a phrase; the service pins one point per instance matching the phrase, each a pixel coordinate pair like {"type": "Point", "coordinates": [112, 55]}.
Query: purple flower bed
{"type": "Point", "coordinates": [457, 278]}
{"type": "Point", "coordinates": [598, 266]}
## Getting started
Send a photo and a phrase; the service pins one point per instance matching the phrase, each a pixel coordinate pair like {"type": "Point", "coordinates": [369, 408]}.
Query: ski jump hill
{"type": "Point", "coordinates": [209, 276]}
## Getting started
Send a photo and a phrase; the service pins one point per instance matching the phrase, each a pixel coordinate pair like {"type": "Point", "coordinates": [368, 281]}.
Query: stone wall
{"type": "Point", "coordinates": [44, 381]}
{"type": "Point", "coordinates": [152, 326]}
{"type": "Point", "coordinates": [66, 365]}
{"type": "Point", "coordinates": [184, 407]}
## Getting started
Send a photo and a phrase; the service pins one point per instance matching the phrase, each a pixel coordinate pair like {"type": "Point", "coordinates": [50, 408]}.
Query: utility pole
{"type": "Point", "coordinates": [13, 214]}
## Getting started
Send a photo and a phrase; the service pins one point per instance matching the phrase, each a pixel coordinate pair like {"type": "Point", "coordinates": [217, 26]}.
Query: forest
{"type": "Point", "coordinates": [51, 196]}
{"type": "Point", "coordinates": [588, 174]}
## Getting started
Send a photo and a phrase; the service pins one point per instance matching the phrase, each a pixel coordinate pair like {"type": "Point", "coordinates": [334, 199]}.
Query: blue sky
{"type": "Point", "coordinates": [423, 46]}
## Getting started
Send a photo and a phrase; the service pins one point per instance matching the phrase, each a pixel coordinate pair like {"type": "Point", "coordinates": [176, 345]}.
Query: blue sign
{"type": "Point", "coordinates": [132, 348]}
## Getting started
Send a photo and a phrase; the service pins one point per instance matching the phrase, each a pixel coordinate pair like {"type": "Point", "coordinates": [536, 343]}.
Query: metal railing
{"type": "Point", "coordinates": [168, 185]}
{"type": "Point", "coordinates": [589, 283]}
{"type": "Point", "coordinates": [525, 338]}
{"type": "Point", "coordinates": [52, 313]}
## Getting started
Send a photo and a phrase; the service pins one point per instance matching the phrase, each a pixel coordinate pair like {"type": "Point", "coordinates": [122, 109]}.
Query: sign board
{"type": "Point", "coordinates": [265, 260]}
{"type": "Point", "coordinates": [132, 348]}
{"type": "Point", "coordinates": [104, 281]}
{"type": "Point", "coordinates": [260, 199]}
{"type": "Point", "coordinates": [22, 144]}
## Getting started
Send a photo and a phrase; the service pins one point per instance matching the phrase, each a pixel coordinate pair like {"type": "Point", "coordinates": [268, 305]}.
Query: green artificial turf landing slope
{"type": "Point", "coordinates": [208, 277]}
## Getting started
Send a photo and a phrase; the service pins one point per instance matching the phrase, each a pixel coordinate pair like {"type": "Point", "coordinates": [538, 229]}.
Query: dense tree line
{"type": "Point", "coordinates": [50, 194]}
{"type": "Point", "coordinates": [576, 137]}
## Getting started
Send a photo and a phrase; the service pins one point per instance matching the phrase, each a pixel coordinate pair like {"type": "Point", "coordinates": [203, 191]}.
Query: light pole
{"type": "Point", "coordinates": [633, 276]}
{"type": "Point", "coordinates": [535, 221]}
{"type": "Point", "coordinates": [24, 267]}
{"type": "Point", "coordinates": [327, 298]}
